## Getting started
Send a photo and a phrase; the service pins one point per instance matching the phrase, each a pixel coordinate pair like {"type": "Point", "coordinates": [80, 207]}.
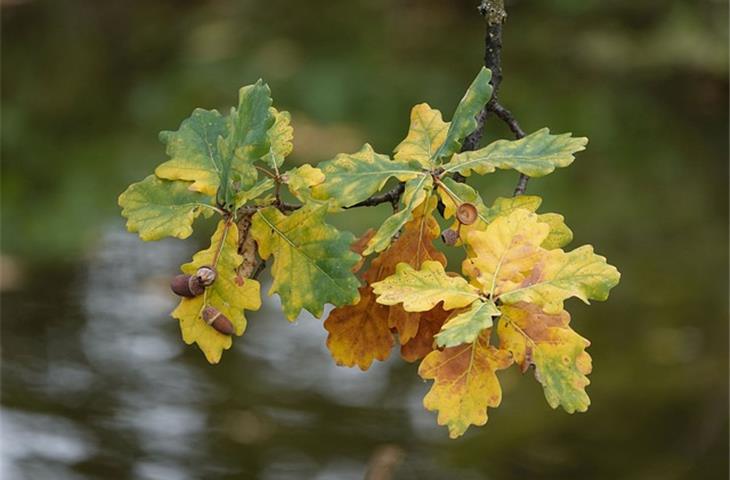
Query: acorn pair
{"type": "Point", "coordinates": [191, 286]}
{"type": "Point", "coordinates": [466, 214]}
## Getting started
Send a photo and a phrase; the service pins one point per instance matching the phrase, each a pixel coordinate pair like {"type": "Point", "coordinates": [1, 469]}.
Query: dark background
{"type": "Point", "coordinates": [95, 380]}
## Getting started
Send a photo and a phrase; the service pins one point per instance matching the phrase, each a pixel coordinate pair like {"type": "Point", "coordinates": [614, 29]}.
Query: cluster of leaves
{"type": "Point", "coordinates": [515, 274]}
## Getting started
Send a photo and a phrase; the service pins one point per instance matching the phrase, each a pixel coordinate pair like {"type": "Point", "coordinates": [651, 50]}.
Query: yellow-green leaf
{"type": "Point", "coordinates": [464, 122]}
{"type": "Point", "coordinates": [465, 383]}
{"type": "Point", "coordinates": [465, 326]}
{"type": "Point", "coordinates": [421, 290]}
{"type": "Point", "coordinates": [502, 255]}
{"type": "Point", "coordinates": [213, 151]}
{"type": "Point", "coordinates": [426, 134]}
{"type": "Point", "coordinates": [416, 192]}
{"type": "Point", "coordinates": [535, 155]}
{"type": "Point", "coordinates": [559, 236]}
{"type": "Point", "coordinates": [353, 177]}
{"type": "Point", "coordinates": [229, 295]}
{"type": "Point", "coordinates": [280, 137]}
{"type": "Point", "coordinates": [553, 348]}
{"type": "Point", "coordinates": [160, 208]}
{"type": "Point", "coordinates": [301, 179]}
{"type": "Point", "coordinates": [258, 189]}
{"type": "Point", "coordinates": [312, 260]}
{"type": "Point", "coordinates": [560, 275]}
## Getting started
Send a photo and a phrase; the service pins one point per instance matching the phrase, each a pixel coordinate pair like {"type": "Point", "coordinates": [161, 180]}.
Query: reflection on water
{"type": "Point", "coordinates": [98, 384]}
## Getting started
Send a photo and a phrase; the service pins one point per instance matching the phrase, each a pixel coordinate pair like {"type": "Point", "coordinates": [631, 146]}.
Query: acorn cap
{"type": "Point", "coordinates": [467, 213]}
{"type": "Point", "coordinates": [206, 276]}
{"type": "Point", "coordinates": [217, 320]}
{"type": "Point", "coordinates": [196, 288]}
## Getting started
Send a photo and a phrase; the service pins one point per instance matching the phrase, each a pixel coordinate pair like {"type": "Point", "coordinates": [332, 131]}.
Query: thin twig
{"type": "Point", "coordinates": [391, 196]}
{"type": "Point", "coordinates": [494, 15]}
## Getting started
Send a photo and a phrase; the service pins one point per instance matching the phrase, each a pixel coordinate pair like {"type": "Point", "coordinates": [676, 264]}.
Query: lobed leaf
{"type": "Point", "coordinates": [464, 122]}
{"type": "Point", "coordinates": [421, 290]}
{"type": "Point", "coordinates": [160, 208]}
{"type": "Point", "coordinates": [535, 155]}
{"type": "Point", "coordinates": [301, 179]}
{"type": "Point", "coordinates": [228, 294]}
{"type": "Point", "coordinates": [258, 189]}
{"type": "Point", "coordinates": [213, 151]}
{"type": "Point", "coordinates": [312, 260]}
{"type": "Point", "coordinates": [280, 137]}
{"type": "Point", "coordinates": [420, 345]}
{"type": "Point", "coordinates": [560, 275]}
{"type": "Point", "coordinates": [426, 134]}
{"type": "Point", "coordinates": [553, 348]}
{"type": "Point", "coordinates": [465, 383]}
{"type": "Point", "coordinates": [352, 178]}
{"type": "Point", "coordinates": [465, 326]}
{"type": "Point", "coordinates": [502, 255]}
{"type": "Point", "coordinates": [361, 333]}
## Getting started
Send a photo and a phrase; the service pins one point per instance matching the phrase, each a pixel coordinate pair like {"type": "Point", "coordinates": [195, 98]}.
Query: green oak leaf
{"type": "Point", "coordinates": [535, 155]}
{"type": "Point", "coordinates": [464, 122]}
{"type": "Point", "coordinates": [161, 208]}
{"type": "Point", "coordinates": [259, 188]}
{"type": "Point", "coordinates": [228, 294]}
{"type": "Point", "coordinates": [312, 260]}
{"type": "Point", "coordinates": [215, 152]}
{"type": "Point", "coordinates": [417, 190]}
{"type": "Point", "coordinates": [465, 326]}
{"type": "Point", "coordinates": [352, 177]}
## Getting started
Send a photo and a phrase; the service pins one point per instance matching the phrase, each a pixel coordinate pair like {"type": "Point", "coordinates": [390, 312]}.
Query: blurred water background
{"type": "Point", "coordinates": [96, 383]}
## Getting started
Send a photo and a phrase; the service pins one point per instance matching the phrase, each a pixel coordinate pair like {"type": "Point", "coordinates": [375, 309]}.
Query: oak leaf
{"type": "Point", "coordinates": [312, 260]}
{"type": "Point", "coordinates": [225, 294]}
{"type": "Point", "coordinates": [465, 383]}
{"type": "Point", "coordinates": [555, 350]}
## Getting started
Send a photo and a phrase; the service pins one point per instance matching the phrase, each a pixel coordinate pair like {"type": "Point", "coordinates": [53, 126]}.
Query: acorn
{"type": "Point", "coordinates": [186, 286]}
{"type": "Point", "coordinates": [450, 237]}
{"type": "Point", "coordinates": [206, 276]}
{"type": "Point", "coordinates": [217, 320]}
{"type": "Point", "coordinates": [467, 213]}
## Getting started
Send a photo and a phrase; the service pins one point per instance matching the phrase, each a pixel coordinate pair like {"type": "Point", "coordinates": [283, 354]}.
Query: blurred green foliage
{"type": "Point", "coordinates": [87, 85]}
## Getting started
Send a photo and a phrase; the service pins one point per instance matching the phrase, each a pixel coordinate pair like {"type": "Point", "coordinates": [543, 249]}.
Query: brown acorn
{"type": "Point", "coordinates": [186, 286]}
{"type": "Point", "coordinates": [217, 320]}
{"type": "Point", "coordinates": [467, 213]}
{"type": "Point", "coordinates": [206, 276]}
{"type": "Point", "coordinates": [450, 236]}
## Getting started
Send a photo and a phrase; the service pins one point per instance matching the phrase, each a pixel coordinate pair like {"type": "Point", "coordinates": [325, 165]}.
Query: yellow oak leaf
{"type": "Point", "coordinates": [426, 134]}
{"type": "Point", "coordinates": [465, 383]}
{"type": "Point", "coordinates": [421, 290]}
{"type": "Point", "coordinates": [225, 294]}
{"type": "Point", "coordinates": [559, 275]}
{"type": "Point", "coordinates": [503, 253]}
